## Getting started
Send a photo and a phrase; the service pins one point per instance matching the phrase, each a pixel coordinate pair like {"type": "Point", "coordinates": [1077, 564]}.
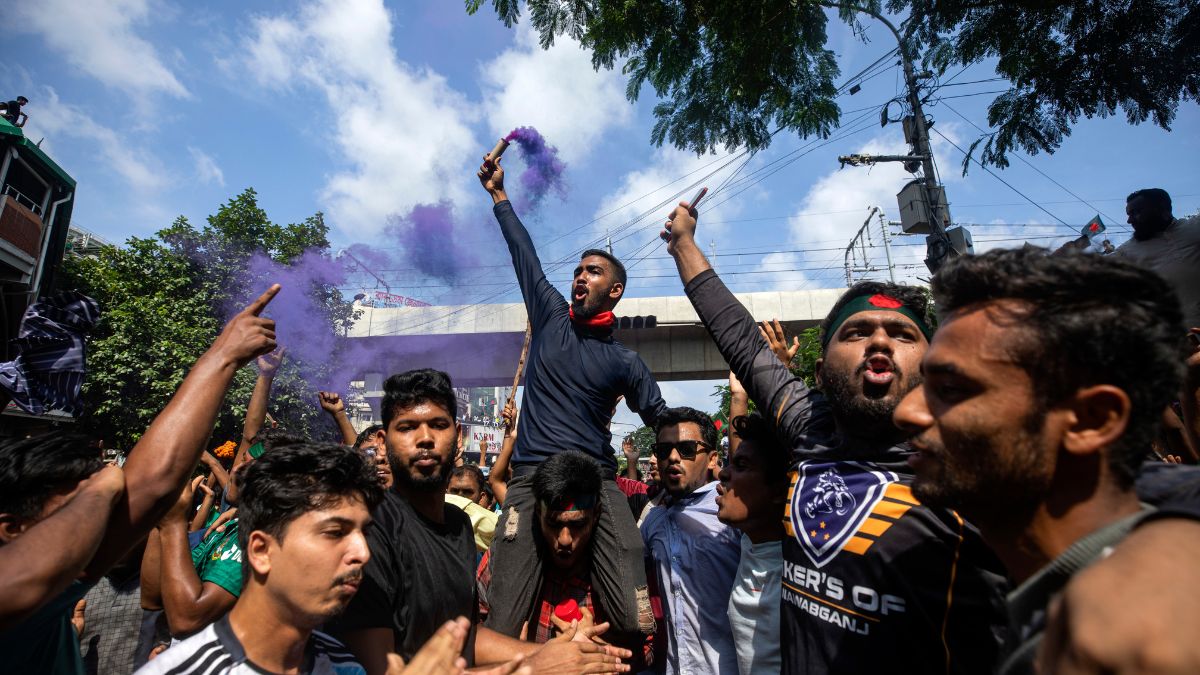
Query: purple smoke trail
{"type": "Point", "coordinates": [302, 324]}
{"type": "Point", "coordinates": [430, 242]}
{"type": "Point", "coordinates": [543, 169]}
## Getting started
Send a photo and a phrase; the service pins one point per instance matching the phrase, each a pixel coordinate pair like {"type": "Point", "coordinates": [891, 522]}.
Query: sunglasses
{"type": "Point", "coordinates": [687, 449]}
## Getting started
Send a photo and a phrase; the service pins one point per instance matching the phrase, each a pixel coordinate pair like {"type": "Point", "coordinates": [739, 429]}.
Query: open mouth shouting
{"type": "Point", "coordinates": [879, 370]}
{"type": "Point", "coordinates": [579, 294]}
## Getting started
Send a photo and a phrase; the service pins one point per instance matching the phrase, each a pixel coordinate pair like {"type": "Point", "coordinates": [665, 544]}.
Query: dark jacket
{"type": "Point", "coordinates": [572, 376]}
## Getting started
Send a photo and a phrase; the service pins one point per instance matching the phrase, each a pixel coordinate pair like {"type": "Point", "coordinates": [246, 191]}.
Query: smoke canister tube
{"type": "Point", "coordinates": [501, 146]}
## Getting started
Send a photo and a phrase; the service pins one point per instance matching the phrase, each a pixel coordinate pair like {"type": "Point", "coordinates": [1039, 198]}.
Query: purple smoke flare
{"type": "Point", "coordinates": [302, 324]}
{"type": "Point", "coordinates": [430, 242]}
{"type": "Point", "coordinates": [543, 169]}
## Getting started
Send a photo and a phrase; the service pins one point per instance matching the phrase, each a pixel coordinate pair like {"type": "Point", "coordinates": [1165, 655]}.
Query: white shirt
{"type": "Point", "coordinates": [754, 607]}
{"type": "Point", "coordinates": [217, 651]}
{"type": "Point", "coordinates": [1175, 255]}
{"type": "Point", "coordinates": [696, 557]}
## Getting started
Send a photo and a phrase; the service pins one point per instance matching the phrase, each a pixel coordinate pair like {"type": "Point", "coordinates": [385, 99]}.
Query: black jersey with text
{"type": "Point", "coordinates": [872, 580]}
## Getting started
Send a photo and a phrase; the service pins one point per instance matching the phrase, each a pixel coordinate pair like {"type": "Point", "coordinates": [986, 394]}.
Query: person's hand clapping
{"type": "Point", "coordinates": [247, 335]}
{"type": "Point", "coordinates": [583, 630]}
{"type": "Point", "coordinates": [564, 654]}
{"type": "Point", "coordinates": [680, 226]}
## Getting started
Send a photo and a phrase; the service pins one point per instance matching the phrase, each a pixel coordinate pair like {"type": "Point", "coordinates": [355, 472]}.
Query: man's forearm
{"type": "Point", "coordinates": [164, 457]}
{"type": "Point", "coordinates": [151, 581]}
{"type": "Point", "coordinates": [739, 405]}
{"type": "Point", "coordinates": [180, 585]}
{"type": "Point", "coordinates": [43, 561]}
{"type": "Point", "coordinates": [689, 259]}
{"type": "Point", "coordinates": [256, 414]}
{"type": "Point", "coordinates": [493, 647]}
{"type": "Point", "coordinates": [349, 435]}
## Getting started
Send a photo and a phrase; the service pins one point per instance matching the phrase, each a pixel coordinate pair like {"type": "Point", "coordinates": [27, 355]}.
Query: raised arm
{"type": "Point", "coordinates": [642, 394]}
{"type": "Point", "coordinates": [541, 300]}
{"type": "Point", "coordinates": [256, 410]}
{"type": "Point", "coordinates": [189, 603]}
{"type": "Point", "coordinates": [498, 476]}
{"type": "Point", "coordinates": [631, 458]}
{"type": "Point", "coordinates": [739, 405]}
{"type": "Point", "coordinates": [800, 414]}
{"type": "Point", "coordinates": [331, 402]}
{"type": "Point", "coordinates": [46, 558]}
{"type": "Point", "coordinates": [164, 458]}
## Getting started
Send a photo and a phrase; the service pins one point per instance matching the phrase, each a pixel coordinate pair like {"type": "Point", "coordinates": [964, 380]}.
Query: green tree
{"type": "Point", "coordinates": [164, 299]}
{"type": "Point", "coordinates": [804, 366]}
{"type": "Point", "coordinates": [732, 73]}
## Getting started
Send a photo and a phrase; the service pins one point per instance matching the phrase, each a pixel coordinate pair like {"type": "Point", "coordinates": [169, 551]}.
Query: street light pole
{"type": "Point", "coordinates": [939, 245]}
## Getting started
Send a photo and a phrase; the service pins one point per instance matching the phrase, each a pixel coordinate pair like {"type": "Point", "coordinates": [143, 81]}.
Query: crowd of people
{"type": "Point", "coordinates": [1000, 488]}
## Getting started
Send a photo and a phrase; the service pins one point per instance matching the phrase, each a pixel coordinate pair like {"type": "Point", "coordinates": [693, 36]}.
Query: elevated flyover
{"type": "Point", "coordinates": [478, 345]}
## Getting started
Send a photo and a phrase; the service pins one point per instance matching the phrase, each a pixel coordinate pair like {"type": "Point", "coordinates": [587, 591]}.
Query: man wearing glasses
{"type": "Point", "coordinates": [695, 554]}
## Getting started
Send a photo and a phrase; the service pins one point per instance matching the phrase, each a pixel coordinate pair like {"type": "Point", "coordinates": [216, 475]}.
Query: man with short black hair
{"type": "Point", "coordinates": [12, 111]}
{"type": "Point", "coordinates": [303, 511]}
{"type": "Point", "coordinates": [369, 444]}
{"type": "Point", "coordinates": [696, 555]}
{"type": "Point", "coordinates": [574, 375]}
{"type": "Point", "coordinates": [1044, 387]}
{"type": "Point", "coordinates": [422, 567]}
{"type": "Point", "coordinates": [759, 460]}
{"type": "Point", "coordinates": [872, 579]}
{"type": "Point", "coordinates": [1166, 245]}
{"type": "Point", "coordinates": [567, 490]}
{"type": "Point", "coordinates": [467, 481]}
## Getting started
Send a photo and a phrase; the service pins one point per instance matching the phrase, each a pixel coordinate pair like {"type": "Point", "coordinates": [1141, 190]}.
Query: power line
{"type": "Point", "coordinates": [997, 177]}
{"type": "Point", "coordinates": [1043, 173]}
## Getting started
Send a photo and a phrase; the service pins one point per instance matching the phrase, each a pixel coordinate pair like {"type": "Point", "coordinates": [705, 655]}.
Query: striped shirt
{"type": "Point", "coordinates": [217, 651]}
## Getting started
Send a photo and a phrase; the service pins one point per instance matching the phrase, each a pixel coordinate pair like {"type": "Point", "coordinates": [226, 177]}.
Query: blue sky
{"type": "Point", "coordinates": [363, 109]}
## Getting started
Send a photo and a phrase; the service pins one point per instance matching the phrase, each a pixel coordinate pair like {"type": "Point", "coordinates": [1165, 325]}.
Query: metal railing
{"type": "Point", "coordinates": [23, 200]}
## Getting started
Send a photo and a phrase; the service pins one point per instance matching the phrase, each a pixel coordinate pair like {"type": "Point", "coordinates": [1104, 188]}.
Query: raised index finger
{"type": "Point", "coordinates": [262, 301]}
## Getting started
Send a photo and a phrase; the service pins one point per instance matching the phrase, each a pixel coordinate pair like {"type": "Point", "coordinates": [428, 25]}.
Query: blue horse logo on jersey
{"type": "Point", "coordinates": [830, 501]}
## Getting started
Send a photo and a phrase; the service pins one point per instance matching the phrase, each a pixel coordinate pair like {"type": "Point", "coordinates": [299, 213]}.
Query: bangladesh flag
{"type": "Point", "coordinates": [1094, 228]}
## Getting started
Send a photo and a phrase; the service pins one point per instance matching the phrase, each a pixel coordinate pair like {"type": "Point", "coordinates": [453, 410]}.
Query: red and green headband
{"type": "Point", "coordinates": [874, 303]}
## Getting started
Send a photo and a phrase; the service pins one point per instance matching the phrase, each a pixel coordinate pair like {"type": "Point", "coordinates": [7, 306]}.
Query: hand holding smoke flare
{"type": "Point", "coordinates": [543, 168]}
{"type": "Point", "coordinates": [665, 235]}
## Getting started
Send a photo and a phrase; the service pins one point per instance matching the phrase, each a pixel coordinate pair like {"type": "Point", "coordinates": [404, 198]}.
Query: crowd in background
{"type": "Point", "coordinates": [1001, 485]}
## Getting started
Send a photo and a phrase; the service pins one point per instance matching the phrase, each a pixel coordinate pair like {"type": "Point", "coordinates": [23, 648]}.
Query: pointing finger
{"type": "Point", "coordinates": [263, 300]}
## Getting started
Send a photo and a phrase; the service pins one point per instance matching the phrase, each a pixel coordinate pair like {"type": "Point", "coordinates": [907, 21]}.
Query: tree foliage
{"type": "Point", "coordinates": [1066, 59]}
{"type": "Point", "coordinates": [163, 301]}
{"type": "Point", "coordinates": [732, 73]}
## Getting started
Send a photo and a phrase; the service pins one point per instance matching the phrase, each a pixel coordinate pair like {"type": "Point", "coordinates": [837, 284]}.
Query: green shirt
{"type": "Point", "coordinates": [46, 643]}
{"type": "Point", "coordinates": [218, 559]}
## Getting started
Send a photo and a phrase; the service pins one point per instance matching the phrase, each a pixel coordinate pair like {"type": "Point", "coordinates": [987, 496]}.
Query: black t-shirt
{"type": "Point", "coordinates": [420, 575]}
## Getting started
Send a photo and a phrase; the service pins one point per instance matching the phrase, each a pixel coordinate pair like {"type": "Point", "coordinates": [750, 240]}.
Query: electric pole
{"type": "Point", "coordinates": [916, 133]}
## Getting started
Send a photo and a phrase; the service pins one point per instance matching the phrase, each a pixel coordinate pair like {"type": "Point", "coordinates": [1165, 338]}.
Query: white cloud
{"type": "Point", "coordinates": [206, 167]}
{"type": "Point", "coordinates": [401, 131]}
{"type": "Point", "coordinates": [143, 172]}
{"type": "Point", "coordinates": [843, 198]}
{"type": "Point", "coordinates": [100, 39]}
{"type": "Point", "coordinates": [646, 196]}
{"type": "Point", "coordinates": [555, 90]}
